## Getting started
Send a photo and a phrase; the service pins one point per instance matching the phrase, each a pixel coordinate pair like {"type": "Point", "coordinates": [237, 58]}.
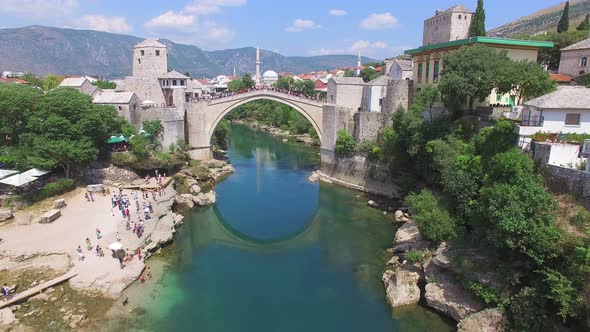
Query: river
{"type": "Point", "coordinates": [276, 253]}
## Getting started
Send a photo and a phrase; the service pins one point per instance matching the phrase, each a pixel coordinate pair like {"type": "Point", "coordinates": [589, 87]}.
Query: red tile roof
{"type": "Point", "coordinates": [203, 81]}
{"type": "Point", "coordinates": [378, 69]}
{"type": "Point", "coordinates": [560, 77]}
{"type": "Point", "coordinates": [13, 80]}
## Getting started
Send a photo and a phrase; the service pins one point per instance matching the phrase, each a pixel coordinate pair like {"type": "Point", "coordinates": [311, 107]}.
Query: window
{"type": "Point", "coordinates": [157, 52]}
{"type": "Point", "coordinates": [419, 73]}
{"type": "Point", "coordinates": [572, 119]}
{"type": "Point", "coordinates": [459, 16]}
{"type": "Point", "coordinates": [427, 72]}
{"type": "Point", "coordinates": [120, 108]}
{"type": "Point", "coordinates": [498, 97]}
{"type": "Point", "coordinates": [583, 61]}
{"type": "Point", "coordinates": [139, 61]}
{"type": "Point", "coordinates": [332, 98]}
{"type": "Point", "coordinates": [436, 71]}
{"type": "Point", "coordinates": [182, 82]}
{"type": "Point", "coordinates": [173, 82]}
{"type": "Point", "coordinates": [142, 52]}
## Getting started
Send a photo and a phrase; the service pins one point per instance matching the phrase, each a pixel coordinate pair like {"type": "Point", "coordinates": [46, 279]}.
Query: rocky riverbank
{"type": "Point", "coordinates": [306, 139]}
{"type": "Point", "coordinates": [49, 250]}
{"type": "Point", "coordinates": [417, 274]}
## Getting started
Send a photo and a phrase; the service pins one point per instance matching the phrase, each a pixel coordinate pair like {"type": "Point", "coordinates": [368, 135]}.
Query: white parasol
{"type": "Point", "coordinates": [116, 246]}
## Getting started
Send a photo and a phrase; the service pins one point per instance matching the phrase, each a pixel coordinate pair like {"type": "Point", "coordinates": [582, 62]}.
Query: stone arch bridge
{"type": "Point", "coordinates": [204, 116]}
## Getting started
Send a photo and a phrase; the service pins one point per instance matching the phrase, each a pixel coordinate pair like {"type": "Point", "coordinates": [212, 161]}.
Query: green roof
{"type": "Point", "coordinates": [483, 40]}
{"type": "Point", "coordinates": [116, 139]}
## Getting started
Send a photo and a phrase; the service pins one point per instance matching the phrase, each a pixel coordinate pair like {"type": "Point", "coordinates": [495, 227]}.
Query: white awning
{"type": "Point", "coordinates": [35, 172]}
{"type": "Point", "coordinates": [6, 172]}
{"type": "Point", "coordinates": [18, 180]}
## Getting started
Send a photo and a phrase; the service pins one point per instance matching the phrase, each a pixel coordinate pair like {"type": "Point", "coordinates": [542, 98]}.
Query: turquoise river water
{"type": "Point", "coordinates": [276, 253]}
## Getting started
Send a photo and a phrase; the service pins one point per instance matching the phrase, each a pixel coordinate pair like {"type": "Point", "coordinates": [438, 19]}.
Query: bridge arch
{"type": "Point", "coordinates": [203, 116]}
{"type": "Point", "coordinates": [285, 101]}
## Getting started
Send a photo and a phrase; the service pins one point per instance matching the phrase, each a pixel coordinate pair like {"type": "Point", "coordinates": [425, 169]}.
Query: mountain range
{"type": "Point", "coordinates": [48, 50]}
{"type": "Point", "coordinates": [543, 20]}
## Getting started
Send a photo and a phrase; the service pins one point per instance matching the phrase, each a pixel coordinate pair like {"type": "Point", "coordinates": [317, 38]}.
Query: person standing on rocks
{"type": "Point", "coordinates": [88, 244]}
{"type": "Point", "coordinates": [80, 254]}
{"type": "Point", "coordinates": [98, 235]}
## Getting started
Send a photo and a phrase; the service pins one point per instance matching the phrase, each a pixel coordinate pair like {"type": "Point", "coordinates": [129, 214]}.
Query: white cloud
{"type": "Point", "coordinates": [38, 9]}
{"type": "Point", "coordinates": [377, 49]}
{"type": "Point", "coordinates": [170, 20]}
{"type": "Point", "coordinates": [206, 7]}
{"type": "Point", "coordinates": [104, 23]}
{"type": "Point", "coordinates": [302, 24]}
{"type": "Point", "coordinates": [337, 12]}
{"type": "Point", "coordinates": [379, 21]}
{"type": "Point", "coordinates": [214, 32]}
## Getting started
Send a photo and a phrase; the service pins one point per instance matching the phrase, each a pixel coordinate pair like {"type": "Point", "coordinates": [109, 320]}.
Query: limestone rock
{"type": "Point", "coordinates": [203, 199]}
{"type": "Point", "coordinates": [184, 201]}
{"type": "Point", "coordinates": [5, 214]}
{"type": "Point", "coordinates": [441, 258]}
{"type": "Point", "coordinates": [394, 261]}
{"type": "Point", "coordinates": [215, 163]}
{"type": "Point", "coordinates": [7, 317]}
{"type": "Point", "coordinates": [400, 216]}
{"type": "Point", "coordinates": [194, 189]}
{"type": "Point", "coordinates": [401, 287]}
{"type": "Point", "coordinates": [372, 203]}
{"type": "Point", "coordinates": [314, 177]}
{"type": "Point", "coordinates": [95, 188]}
{"type": "Point", "coordinates": [448, 296]}
{"type": "Point", "coordinates": [407, 238]}
{"type": "Point", "coordinates": [76, 320]}
{"type": "Point", "coordinates": [489, 320]}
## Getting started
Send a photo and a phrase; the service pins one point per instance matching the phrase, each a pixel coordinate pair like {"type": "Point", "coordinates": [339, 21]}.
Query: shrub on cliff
{"type": "Point", "coordinates": [345, 144]}
{"type": "Point", "coordinates": [431, 216]}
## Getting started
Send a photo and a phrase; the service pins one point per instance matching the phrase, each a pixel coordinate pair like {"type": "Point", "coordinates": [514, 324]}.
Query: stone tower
{"type": "Point", "coordinates": [447, 25]}
{"type": "Point", "coordinates": [150, 59]}
{"type": "Point", "coordinates": [257, 67]}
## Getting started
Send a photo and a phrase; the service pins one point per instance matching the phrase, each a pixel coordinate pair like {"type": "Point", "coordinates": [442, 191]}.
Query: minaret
{"type": "Point", "coordinates": [234, 71]}
{"type": "Point", "coordinates": [257, 66]}
{"type": "Point", "coordinates": [358, 63]}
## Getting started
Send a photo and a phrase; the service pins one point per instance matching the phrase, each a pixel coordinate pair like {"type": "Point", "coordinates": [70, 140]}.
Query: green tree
{"type": "Point", "coordinates": [564, 21]}
{"type": "Point", "coordinates": [428, 96]}
{"type": "Point", "coordinates": [349, 73]}
{"type": "Point", "coordinates": [585, 24]}
{"type": "Point", "coordinates": [430, 215]}
{"type": "Point", "coordinates": [105, 84]}
{"type": "Point", "coordinates": [247, 81]}
{"type": "Point", "coordinates": [369, 74]}
{"type": "Point", "coordinates": [140, 147]}
{"type": "Point", "coordinates": [221, 134]}
{"type": "Point", "coordinates": [305, 86]}
{"type": "Point", "coordinates": [17, 103]}
{"type": "Point", "coordinates": [235, 85]}
{"type": "Point", "coordinates": [525, 78]}
{"type": "Point", "coordinates": [67, 129]}
{"type": "Point", "coordinates": [470, 74]}
{"type": "Point", "coordinates": [345, 144]}
{"type": "Point", "coordinates": [33, 80]}
{"type": "Point", "coordinates": [478, 21]}
{"type": "Point", "coordinates": [51, 82]}
{"type": "Point", "coordinates": [153, 127]}
{"type": "Point", "coordinates": [285, 83]}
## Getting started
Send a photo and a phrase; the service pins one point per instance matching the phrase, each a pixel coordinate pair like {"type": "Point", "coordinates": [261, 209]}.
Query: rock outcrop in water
{"type": "Point", "coordinates": [401, 287]}
{"type": "Point", "coordinates": [489, 320]}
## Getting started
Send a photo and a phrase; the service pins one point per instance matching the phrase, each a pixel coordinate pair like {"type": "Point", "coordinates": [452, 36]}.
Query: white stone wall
{"type": "Point", "coordinates": [348, 95]}
{"type": "Point", "coordinates": [569, 62]}
{"type": "Point", "coordinates": [446, 27]}
{"type": "Point", "coordinates": [399, 92]}
{"type": "Point", "coordinates": [145, 88]}
{"type": "Point", "coordinates": [149, 64]}
{"type": "Point", "coordinates": [397, 73]}
{"type": "Point", "coordinates": [372, 94]}
{"type": "Point", "coordinates": [88, 88]}
{"type": "Point", "coordinates": [460, 24]}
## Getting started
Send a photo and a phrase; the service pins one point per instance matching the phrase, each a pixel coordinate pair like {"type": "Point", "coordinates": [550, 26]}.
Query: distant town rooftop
{"type": "Point", "coordinates": [480, 40]}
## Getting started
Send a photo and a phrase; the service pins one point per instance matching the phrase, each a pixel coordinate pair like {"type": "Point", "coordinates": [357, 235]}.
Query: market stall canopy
{"type": "Point", "coordinates": [6, 172]}
{"type": "Point", "coordinates": [116, 139]}
{"type": "Point", "coordinates": [116, 246]}
{"type": "Point", "coordinates": [36, 172]}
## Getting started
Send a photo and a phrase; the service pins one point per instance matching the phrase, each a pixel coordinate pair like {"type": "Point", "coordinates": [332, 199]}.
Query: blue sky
{"type": "Point", "coordinates": [379, 28]}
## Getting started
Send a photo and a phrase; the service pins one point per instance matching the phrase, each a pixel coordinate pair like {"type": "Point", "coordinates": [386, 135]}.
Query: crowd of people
{"type": "Point", "coordinates": [293, 93]}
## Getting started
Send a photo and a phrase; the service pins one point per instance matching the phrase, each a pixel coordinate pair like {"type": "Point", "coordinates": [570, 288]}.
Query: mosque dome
{"type": "Point", "coordinates": [269, 74]}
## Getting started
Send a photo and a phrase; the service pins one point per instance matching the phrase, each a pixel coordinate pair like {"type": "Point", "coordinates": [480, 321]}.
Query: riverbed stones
{"type": "Point", "coordinates": [400, 216]}
{"type": "Point", "coordinates": [7, 317]}
{"type": "Point", "coordinates": [489, 320]}
{"type": "Point", "coordinates": [5, 214]}
{"type": "Point", "coordinates": [195, 189]}
{"type": "Point", "coordinates": [446, 295]}
{"type": "Point", "coordinates": [401, 287]}
{"type": "Point", "coordinates": [184, 202]}
{"type": "Point", "coordinates": [407, 238]}
{"type": "Point", "coordinates": [203, 199]}
{"type": "Point", "coordinates": [314, 177]}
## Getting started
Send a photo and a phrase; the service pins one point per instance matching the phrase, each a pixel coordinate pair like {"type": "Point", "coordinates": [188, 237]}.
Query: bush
{"type": "Point", "coordinates": [415, 256]}
{"type": "Point", "coordinates": [345, 144]}
{"type": "Point", "coordinates": [432, 218]}
{"type": "Point", "coordinates": [371, 150]}
{"type": "Point", "coordinates": [51, 189]}
{"type": "Point", "coordinates": [580, 218]}
{"type": "Point", "coordinates": [123, 159]}
{"type": "Point", "coordinates": [488, 295]}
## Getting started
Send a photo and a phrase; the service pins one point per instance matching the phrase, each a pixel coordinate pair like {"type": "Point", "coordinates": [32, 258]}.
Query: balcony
{"type": "Point", "coordinates": [532, 121]}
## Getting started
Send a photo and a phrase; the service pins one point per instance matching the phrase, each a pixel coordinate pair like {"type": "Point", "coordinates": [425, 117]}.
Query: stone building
{"type": "Point", "coordinates": [373, 94]}
{"type": "Point", "coordinates": [345, 91]}
{"type": "Point", "coordinates": [81, 84]}
{"type": "Point", "coordinates": [398, 69]}
{"type": "Point", "coordinates": [447, 25]}
{"type": "Point", "coordinates": [575, 58]}
{"type": "Point", "coordinates": [127, 104]}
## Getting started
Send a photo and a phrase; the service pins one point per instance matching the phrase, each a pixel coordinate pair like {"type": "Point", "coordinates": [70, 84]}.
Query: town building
{"type": "Point", "coordinates": [269, 78]}
{"type": "Point", "coordinates": [346, 91]}
{"type": "Point", "coordinates": [575, 59]}
{"type": "Point", "coordinates": [81, 84]}
{"type": "Point", "coordinates": [399, 69]}
{"type": "Point", "coordinates": [321, 84]}
{"type": "Point", "coordinates": [127, 104]}
{"type": "Point", "coordinates": [374, 93]}
{"type": "Point", "coordinates": [564, 111]}
{"type": "Point", "coordinates": [447, 25]}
